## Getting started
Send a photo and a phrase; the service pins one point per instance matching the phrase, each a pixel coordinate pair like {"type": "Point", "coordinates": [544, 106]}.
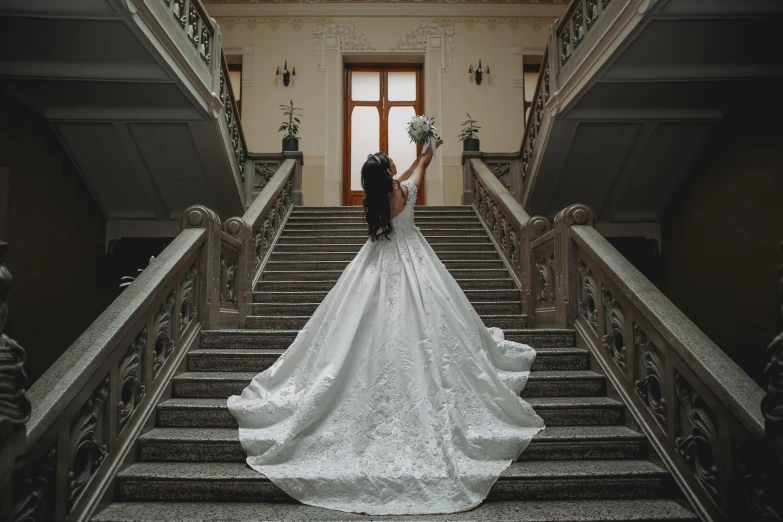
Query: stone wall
{"type": "Point", "coordinates": [56, 233]}
{"type": "Point", "coordinates": [722, 235]}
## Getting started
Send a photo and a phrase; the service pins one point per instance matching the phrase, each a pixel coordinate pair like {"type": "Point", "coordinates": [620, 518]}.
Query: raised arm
{"type": "Point", "coordinates": [422, 162]}
{"type": "Point", "coordinates": [407, 174]}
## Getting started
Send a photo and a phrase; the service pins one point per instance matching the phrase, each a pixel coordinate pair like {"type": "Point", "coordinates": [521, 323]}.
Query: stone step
{"type": "Point", "coordinates": [286, 247]}
{"type": "Point", "coordinates": [258, 360]}
{"type": "Point", "coordinates": [286, 322]}
{"type": "Point", "coordinates": [644, 510]}
{"type": "Point", "coordinates": [327, 225]}
{"type": "Point", "coordinates": [321, 266]}
{"type": "Point", "coordinates": [462, 232]}
{"type": "Point", "coordinates": [313, 274]}
{"type": "Point", "coordinates": [324, 286]}
{"type": "Point", "coordinates": [348, 256]}
{"type": "Point", "coordinates": [278, 296]}
{"type": "Point", "coordinates": [267, 309]}
{"type": "Point", "coordinates": [301, 209]}
{"type": "Point", "coordinates": [578, 383]}
{"type": "Point", "coordinates": [321, 219]}
{"type": "Point", "coordinates": [556, 411]}
{"type": "Point", "coordinates": [537, 480]}
{"type": "Point", "coordinates": [432, 238]}
{"type": "Point", "coordinates": [244, 338]}
{"type": "Point", "coordinates": [554, 443]}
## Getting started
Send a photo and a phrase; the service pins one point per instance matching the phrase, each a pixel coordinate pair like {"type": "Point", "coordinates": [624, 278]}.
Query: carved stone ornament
{"type": "Point", "coordinates": [264, 173]}
{"type": "Point", "coordinates": [14, 404]}
{"type": "Point", "coordinates": [131, 374]}
{"type": "Point", "coordinates": [88, 442]}
{"type": "Point", "coordinates": [274, 22]}
{"type": "Point", "coordinates": [34, 495]}
{"type": "Point", "coordinates": [417, 39]}
{"type": "Point", "coordinates": [697, 436]}
{"type": "Point", "coordinates": [164, 333]}
{"type": "Point", "coordinates": [228, 274]}
{"type": "Point", "coordinates": [502, 173]}
{"type": "Point", "coordinates": [187, 310]}
{"type": "Point", "coordinates": [588, 296]}
{"type": "Point", "coordinates": [347, 39]}
{"type": "Point", "coordinates": [614, 327]}
{"type": "Point", "coordinates": [543, 280]}
{"type": "Point", "coordinates": [649, 380]}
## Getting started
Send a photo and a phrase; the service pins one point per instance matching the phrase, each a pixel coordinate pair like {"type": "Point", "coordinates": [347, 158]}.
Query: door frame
{"type": "Point", "coordinates": [384, 107]}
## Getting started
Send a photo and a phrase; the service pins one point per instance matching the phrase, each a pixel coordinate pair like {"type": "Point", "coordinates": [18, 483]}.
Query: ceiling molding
{"type": "Point", "coordinates": [397, 10]}
{"type": "Point", "coordinates": [469, 22]}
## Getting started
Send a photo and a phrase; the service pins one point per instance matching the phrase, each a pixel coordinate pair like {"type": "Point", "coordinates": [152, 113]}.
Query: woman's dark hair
{"type": "Point", "coordinates": [378, 185]}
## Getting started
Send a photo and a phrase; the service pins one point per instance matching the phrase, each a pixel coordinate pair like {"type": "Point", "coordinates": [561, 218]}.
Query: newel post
{"type": "Point", "coordinates": [566, 262]}
{"type": "Point", "coordinates": [531, 230]}
{"type": "Point", "coordinates": [240, 230]}
{"type": "Point", "coordinates": [15, 410]}
{"type": "Point", "coordinates": [467, 176]}
{"type": "Point", "coordinates": [199, 216]}
{"type": "Point", "coordinates": [296, 186]}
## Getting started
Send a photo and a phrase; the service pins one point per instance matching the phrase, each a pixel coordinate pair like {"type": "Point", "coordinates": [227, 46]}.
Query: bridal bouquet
{"type": "Point", "coordinates": [421, 129]}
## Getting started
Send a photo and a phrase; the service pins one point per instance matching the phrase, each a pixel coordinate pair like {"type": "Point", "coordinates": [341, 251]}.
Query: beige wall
{"type": "Point", "coordinates": [496, 103]}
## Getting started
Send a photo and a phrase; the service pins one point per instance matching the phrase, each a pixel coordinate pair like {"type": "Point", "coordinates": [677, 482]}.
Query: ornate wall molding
{"type": "Point", "coordinates": [274, 22]}
{"type": "Point", "coordinates": [493, 22]}
{"type": "Point", "coordinates": [429, 34]}
{"type": "Point", "coordinates": [334, 36]}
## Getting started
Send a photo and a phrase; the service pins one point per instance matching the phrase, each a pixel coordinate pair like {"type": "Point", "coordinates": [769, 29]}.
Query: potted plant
{"type": "Point", "coordinates": [291, 127]}
{"type": "Point", "coordinates": [468, 135]}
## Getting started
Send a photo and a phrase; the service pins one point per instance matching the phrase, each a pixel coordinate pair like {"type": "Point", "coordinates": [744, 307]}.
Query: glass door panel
{"type": "Point", "coordinates": [365, 135]}
{"type": "Point", "coordinates": [400, 147]}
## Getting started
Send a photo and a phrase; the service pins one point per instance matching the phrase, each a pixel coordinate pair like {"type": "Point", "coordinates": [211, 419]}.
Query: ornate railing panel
{"type": "Point", "coordinates": [698, 408]}
{"type": "Point", "coordinates": [534, 122]}
{"type": "Point", "coordinates": [230, 113]}
{"type": "Point", "coordinates": [90, 406]}
{"type": "Point", "coordinates": [195, 23]}
{"type": "Point", "coordinates": [269, 212]}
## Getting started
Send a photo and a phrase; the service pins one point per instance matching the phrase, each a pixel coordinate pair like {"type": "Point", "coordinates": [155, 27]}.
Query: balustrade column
{"type": "Point", "coordinates": [566, 272]}
{"type": "Point", "coordinates": [296, 180]}
{"type": "Point", "coordinates": [240, 230]}
{"type": "Point", "coordinates": [209, 263]}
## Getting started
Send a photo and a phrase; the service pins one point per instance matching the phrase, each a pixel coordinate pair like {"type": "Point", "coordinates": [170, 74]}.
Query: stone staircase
{"type": "Point", "coordinates": [586, 466]}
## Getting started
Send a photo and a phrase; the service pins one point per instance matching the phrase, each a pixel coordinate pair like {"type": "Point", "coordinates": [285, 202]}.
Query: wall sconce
{"type": "Point", "coordinates": [286, 73]}
{"type": "Point", "coordinates": [479, 72]}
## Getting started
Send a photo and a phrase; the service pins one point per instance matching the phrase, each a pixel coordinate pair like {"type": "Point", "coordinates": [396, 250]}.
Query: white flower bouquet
{"type": "Point", "coordinates": [421, 129]}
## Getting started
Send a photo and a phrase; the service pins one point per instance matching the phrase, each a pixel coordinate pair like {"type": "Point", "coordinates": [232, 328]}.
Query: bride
{"type": "Point", "coordinates": [394, 398]}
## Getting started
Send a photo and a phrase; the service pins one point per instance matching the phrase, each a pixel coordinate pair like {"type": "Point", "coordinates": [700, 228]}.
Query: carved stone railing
{"type": "Point", "coordinates": [700, 411]}
{"type": "Point", "coordinates": [269, 212]}
{"type": "Point", "coordinates": [195, 23]}
{"type": "Point", "coordinates": [90, 406]}
{"type": "Point", "coordinates": [262, 166]}
{"type": "Point", "coordinates": [230, 116]}
{"type": "Point", "coordinates": [535, 120]}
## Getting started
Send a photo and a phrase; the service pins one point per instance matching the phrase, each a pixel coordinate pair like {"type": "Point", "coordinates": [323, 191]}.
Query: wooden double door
{"type": "Point", "coordinates": [379, 102]}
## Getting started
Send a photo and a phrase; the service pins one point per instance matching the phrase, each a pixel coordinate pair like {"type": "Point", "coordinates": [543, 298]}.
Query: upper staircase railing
{"type": "Point", "coordinates": [578, 32]}
{"type": "Point", "coordinates": [700, 411]}
{"type": "Point", "coordinates": [91, 405]}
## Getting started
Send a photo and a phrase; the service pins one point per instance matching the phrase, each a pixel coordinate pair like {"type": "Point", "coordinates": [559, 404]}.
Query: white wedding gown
{"type": "Point", "coordinates": [394, 398]}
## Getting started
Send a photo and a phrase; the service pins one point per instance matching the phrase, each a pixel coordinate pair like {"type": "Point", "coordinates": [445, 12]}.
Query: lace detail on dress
{"type": "Point", "coordinates": [394, 398]}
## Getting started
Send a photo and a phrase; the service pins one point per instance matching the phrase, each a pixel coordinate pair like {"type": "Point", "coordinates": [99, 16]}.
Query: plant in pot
{"type": "Point", "coordinates": [468, 135]}
{"type": "Point", "coordinates": [291, 127]}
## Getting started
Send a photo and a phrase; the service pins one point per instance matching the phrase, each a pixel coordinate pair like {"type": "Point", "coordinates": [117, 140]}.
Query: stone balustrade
{"type": "Point", "coordinates": [699, 410]}
{"type": "Point", "coordinates": [91, 405]}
